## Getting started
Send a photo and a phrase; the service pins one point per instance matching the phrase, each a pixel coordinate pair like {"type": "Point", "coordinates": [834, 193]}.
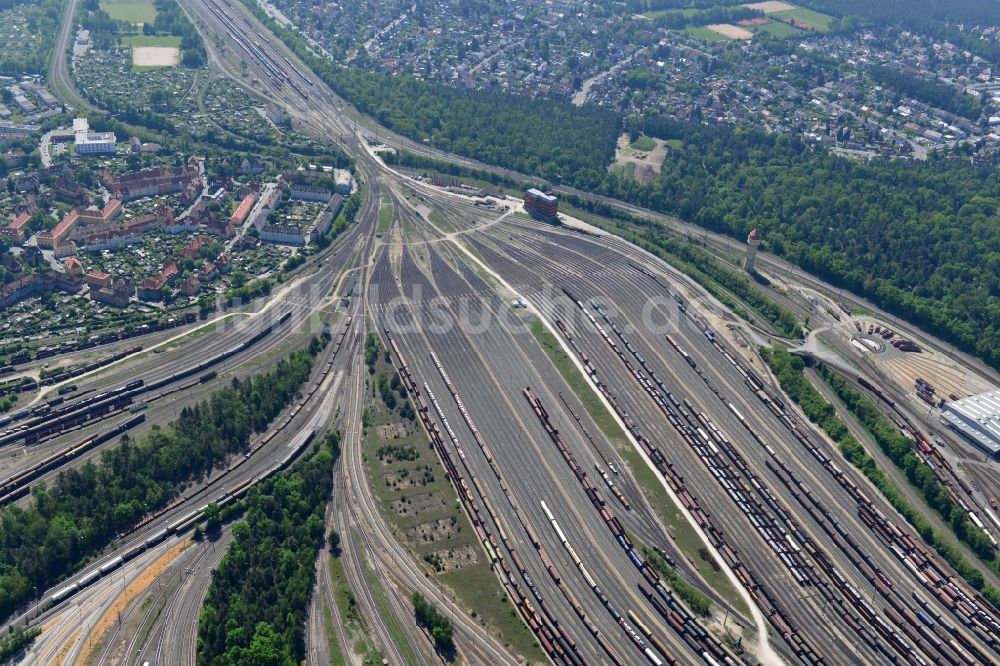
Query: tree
{"type": "Point", "coordinates": [334, 539]}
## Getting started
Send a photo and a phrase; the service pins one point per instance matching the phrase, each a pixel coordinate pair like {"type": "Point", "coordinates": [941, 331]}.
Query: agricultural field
{"type": "Point", "coordinates": [705, 34]}
{"type": "Point", "coordinates": [131, 11]}
{"type": "Point", "coordinates": [781, 19]}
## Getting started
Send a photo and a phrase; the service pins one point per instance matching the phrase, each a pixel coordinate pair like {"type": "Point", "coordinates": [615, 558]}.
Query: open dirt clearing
{"type": "Point", "coordinates": [156, 56]}
{"type": "Point", "coordinates": [646, 163]}
{"type": "Point", "coordinates": [731, 31]}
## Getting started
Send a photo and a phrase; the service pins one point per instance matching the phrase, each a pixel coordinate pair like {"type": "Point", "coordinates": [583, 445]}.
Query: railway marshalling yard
{"type": "Point", "coordinates": [608, 416]}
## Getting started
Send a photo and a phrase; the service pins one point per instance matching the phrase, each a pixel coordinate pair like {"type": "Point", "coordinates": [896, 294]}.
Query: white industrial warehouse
{"type": "Point", "coordinates": [977, 419]}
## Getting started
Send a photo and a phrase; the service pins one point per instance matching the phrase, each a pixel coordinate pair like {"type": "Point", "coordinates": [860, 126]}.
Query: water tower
{"type": "Point", "coordinates": [753, 241]}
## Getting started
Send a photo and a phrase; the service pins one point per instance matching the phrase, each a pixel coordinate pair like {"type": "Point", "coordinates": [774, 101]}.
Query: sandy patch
{"type": "Point", "coordinates": [647, 163]}
{"type": "Point", "coordinates": [770, 6]}
{"type": "Point", "coordinates": [731, 31]}
{"type": "Point", "coordinates": [156, 56]}
{"type": "Point", "coordinates": [134, 589]}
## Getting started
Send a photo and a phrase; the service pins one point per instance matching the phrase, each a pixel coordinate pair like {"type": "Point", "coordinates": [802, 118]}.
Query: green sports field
{"type": "Point", "coordinates": [133, 11]}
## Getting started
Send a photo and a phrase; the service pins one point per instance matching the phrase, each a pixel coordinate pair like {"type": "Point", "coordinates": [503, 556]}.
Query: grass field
{"type": "Point", "coordinates": [819, 21]}
{"type": "Point", "coordinates": [150, 40]}
{"type": "Point", "coordinates": [643, 143]}
{"type": "Point", "coordinates": [490, 602]}
{"type": "Point", "coordinates": [684, 536]}
{"type": "Point", "coordinates": [333, 643]}
{"type": "Point", "coordinates": [703, 33]}
{"type": "Point", "coordinates": [132, 11]}
{"type": "Point", "coordinates": [674, 144]}
{"type": "Point", "coordinates": [384, 215]}
{"type": "Point", "coordinates": [777, 29]}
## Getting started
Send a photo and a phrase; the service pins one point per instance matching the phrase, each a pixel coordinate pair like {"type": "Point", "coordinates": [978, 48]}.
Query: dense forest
{"type": "Point", "coordinates": [559, 141]}
{"type": "Point", "coordinates": [83, 509]}
{"type": "Point", "coordinates": [919, 239]}
{"type": "Point", "coordinates": [255, 611]}
{"type": "Point", "coordinates": [930, 92]}
{"type": "Point", "coordinates": [789, 371]}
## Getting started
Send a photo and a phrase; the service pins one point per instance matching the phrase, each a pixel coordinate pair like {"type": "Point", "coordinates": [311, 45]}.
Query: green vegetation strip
{"type": "Point", "coordinates": [333, 642]}
{"type": "Point", "coordinates": [347, 608]}
{"type": "Point", "coordinates": [684, 536]}
{"type": "Point", "coordinates": [150, 40]}
{"type": "Point", "coordinates": [789, 371]}
{"type": "Point", "coordinates": [695, 600]}
{"type": "Point", "coordinates": [86, 506]}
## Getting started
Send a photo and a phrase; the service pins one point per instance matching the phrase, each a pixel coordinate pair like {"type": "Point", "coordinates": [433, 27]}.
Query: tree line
{"type": "Point", "coordinates": [789, 371]}
{"type": "Point", "coordinates": [255, 610]}
{"type": "Point", "coordinates": [436, 623]}
{"type": "Point", "coordinates": [84, 508]}
{"type": "Point", "coordinates": [549, 138]}
{"type": "Point", "coordinates": [42, 20]}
